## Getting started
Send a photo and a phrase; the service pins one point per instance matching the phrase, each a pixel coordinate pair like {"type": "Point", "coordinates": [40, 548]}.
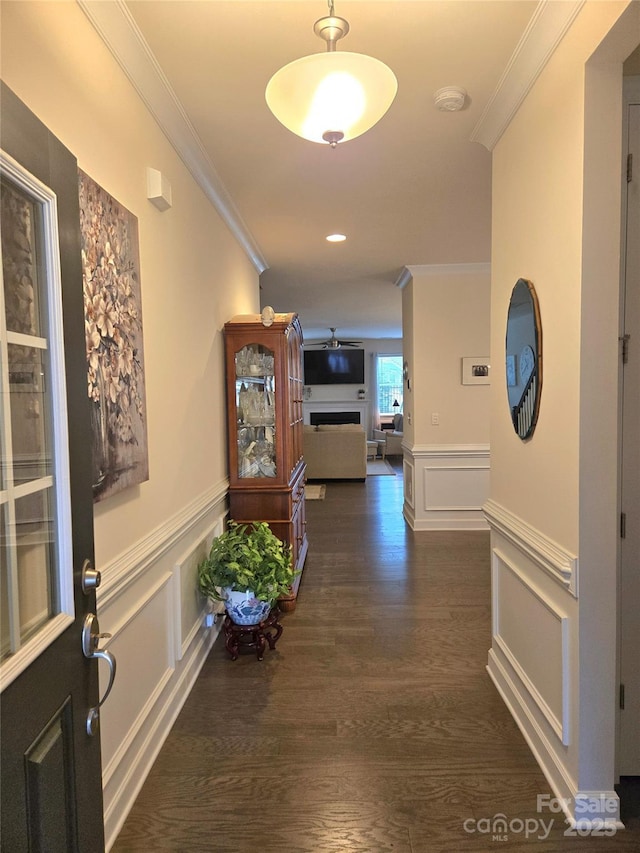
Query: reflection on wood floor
{"type": "Point", "coordinates": [373, 726]}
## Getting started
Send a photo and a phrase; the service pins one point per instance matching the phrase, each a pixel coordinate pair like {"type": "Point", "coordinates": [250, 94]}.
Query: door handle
{"type": "Point", "coordinates": [91, 637]}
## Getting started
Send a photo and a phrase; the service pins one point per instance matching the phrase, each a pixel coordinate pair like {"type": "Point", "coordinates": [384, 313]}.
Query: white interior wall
{"type": "Point", "coordinates": [556, 205]}
{"type": "Point", "coordinates": [194, 277]}
{"type": "Point", "coordinates": [445, 319]}
{"type": "Point", "coordinates": [451, 306]}
{"type": "Point", "coordinates": [54, 61]}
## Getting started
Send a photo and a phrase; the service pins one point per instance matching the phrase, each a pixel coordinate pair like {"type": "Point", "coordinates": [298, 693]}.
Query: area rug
{"type": "Point", "coordinates": [377, 467]}
{"type": "Point", "coordinates": [314, 493]}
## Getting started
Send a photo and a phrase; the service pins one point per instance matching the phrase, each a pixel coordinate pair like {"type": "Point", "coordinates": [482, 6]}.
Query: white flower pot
{"type": "Point", "coordinates": [244, 609]}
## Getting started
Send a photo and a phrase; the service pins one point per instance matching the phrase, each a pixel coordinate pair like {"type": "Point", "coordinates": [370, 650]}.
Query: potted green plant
{"type": "Point", "coordinates": [248, 568]}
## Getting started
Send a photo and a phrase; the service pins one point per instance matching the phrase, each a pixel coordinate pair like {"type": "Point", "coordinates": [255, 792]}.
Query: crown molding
{"type": "Point", "coordinates": [413, 270]}
{"type": "Point", "coordinates": [116, 27]}
{"type": "Point", "coordinates": [404, 278]}
{"type": "Point", "coordinates": [543, 34]}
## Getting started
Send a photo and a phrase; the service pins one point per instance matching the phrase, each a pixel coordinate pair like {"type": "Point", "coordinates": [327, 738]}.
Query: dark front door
{"type": "Point", "coordinates": [51, 792]}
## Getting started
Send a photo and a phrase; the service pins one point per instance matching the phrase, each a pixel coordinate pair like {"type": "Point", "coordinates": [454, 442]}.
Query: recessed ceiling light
{"type": "Point", "coordinates": [336, 238]}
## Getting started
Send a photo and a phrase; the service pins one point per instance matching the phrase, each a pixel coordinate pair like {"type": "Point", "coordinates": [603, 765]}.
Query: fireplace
{"type": "Point", "coordinates": [337, 412]}
{"type": "Point", "coordinates": [316, 418]}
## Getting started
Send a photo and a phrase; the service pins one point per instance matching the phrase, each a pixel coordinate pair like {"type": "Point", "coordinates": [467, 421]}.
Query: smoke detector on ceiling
{"type": "Point", "coordinates": [450, 99]}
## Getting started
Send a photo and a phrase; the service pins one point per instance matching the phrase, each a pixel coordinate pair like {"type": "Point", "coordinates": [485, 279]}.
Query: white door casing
{"type": "Point", "coordinates": [629, 580]}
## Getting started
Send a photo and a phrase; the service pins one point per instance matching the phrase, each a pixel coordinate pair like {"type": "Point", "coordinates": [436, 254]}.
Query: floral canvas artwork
{"type": "Point", "coordinates": [113, 331]}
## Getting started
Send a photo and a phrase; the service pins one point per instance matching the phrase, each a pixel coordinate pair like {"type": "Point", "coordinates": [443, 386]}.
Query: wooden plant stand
{"type": "Point", "coordinates": [252, 636]}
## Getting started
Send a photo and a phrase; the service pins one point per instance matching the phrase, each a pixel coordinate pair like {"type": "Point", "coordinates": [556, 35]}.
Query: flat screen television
{"type": "Point", "coordinates": [334, 367]}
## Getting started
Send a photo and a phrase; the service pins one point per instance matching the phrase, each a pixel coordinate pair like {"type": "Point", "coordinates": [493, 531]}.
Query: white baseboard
{"type": "Point", "coordinates": [586, 811]}
{"type": "Point", "coordinates": [140, 763]}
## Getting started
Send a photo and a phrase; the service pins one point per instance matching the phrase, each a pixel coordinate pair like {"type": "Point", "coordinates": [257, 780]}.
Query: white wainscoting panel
{"type": "Point", "coordinates": [408, 472]}
{"type": "Point", "coordinates": [143, 646]}
{"type": "Point", "coordinates": [455, 487]}
{"type": "Point", "coordinates": [156, 617]}
{"type": "Point", "coordinates": [450, 487]}
{"type": "Point", "coordinates": [534, 657]}
{"type": "Point", "coordinates": [532, 633]}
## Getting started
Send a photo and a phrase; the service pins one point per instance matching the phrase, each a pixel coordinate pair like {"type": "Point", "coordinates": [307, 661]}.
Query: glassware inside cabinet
{"type": "Point", "coordinates": [255, 412]}
{"type": "Point", "coordinates": [256, 452]}
{"type": "Point", "coordinates": [254, 360]}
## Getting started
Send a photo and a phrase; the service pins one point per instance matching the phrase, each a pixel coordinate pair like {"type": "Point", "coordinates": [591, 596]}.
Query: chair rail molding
{"type": "Point", "coordinates": [123, 570]}
{"type": "Point", "coordinates": [556, 561]}
{"type": "Point", "coordinates": [461, 451]}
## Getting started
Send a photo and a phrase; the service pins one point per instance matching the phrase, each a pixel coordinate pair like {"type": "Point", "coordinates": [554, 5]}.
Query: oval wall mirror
{"type": "Point", "coordinates": [524, 358]}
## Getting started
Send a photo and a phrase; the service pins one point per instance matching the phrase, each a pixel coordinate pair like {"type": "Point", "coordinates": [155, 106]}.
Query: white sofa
{"type": "Point", "coordinates": [392, 438]}
{"type": "Point", "coordinates": [335, 452]}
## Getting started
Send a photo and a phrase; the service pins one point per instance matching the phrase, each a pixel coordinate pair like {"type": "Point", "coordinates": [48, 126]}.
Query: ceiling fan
{"type": "Point", "coordinates": [334, 343]}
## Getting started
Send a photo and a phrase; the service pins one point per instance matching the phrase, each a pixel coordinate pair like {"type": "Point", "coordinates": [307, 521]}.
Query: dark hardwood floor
{"type": "Point", "coordinates": [373, 726]}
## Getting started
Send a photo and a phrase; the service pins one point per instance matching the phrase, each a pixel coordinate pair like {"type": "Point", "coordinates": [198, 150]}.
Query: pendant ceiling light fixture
{"type": "Point", "coordinates": [334, 96]}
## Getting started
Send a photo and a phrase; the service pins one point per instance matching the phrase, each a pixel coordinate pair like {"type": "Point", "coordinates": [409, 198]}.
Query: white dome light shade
{"type": "Point", "coordinates": [338, 104]}
{"type": "Point", "coordinates": [331, 93]}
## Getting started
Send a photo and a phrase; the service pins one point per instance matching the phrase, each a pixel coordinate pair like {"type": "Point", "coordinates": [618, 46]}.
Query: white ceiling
{"type": "Point", "coordinates": [413, 190]}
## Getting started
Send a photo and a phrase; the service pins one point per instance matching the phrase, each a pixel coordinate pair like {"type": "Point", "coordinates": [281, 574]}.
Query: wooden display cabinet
{"type": "Point", "coordinates": [264, 410]}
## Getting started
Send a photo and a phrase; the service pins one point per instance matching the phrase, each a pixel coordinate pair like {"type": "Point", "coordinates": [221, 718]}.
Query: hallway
{"type": "Point", "coordinates": [373, 726]}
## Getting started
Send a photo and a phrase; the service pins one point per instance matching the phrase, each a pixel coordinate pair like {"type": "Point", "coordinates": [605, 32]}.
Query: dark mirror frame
{"type": "Point", "coordinates": [523, 347]}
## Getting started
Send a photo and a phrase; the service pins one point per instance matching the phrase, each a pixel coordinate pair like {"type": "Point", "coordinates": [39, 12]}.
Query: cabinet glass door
{"type": "Point", "coordinates": [256, 411]}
